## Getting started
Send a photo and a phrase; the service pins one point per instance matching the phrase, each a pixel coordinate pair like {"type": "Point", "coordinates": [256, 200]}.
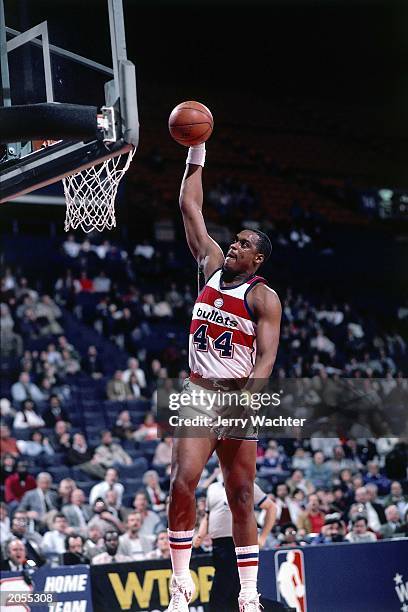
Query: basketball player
{"type": "Point", "coordinates": [241, 344]}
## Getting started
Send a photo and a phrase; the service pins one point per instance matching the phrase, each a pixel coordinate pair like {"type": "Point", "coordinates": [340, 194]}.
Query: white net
{"type": "Point", "coordinates": [90, 194]}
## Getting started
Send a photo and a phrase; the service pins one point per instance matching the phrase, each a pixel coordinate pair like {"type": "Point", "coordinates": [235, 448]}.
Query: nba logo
{"type": "Point", "coordinates": [290, 579]}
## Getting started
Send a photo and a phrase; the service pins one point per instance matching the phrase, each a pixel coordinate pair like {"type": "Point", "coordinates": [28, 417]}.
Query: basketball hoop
{"type": "Point", "coordinates": [90, 194]}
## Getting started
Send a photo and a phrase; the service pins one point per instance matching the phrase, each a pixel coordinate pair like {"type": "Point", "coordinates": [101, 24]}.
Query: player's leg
{"type": "Point", "coordinates": [238, 462]}
{"type": "Point", "coordinates": [189, 457]}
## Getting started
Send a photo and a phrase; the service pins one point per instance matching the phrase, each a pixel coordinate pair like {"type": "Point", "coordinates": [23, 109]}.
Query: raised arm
{"type": "Point", "coordinates": [205, 250]}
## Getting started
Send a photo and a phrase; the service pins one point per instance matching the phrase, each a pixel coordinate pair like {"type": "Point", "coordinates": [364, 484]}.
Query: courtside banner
{"type": "Point", "coordinates": [337, 577]}
{"type": "Point", "coordinates": [61, 589]}
{"type": "Point", "coordinates": [143, 586]}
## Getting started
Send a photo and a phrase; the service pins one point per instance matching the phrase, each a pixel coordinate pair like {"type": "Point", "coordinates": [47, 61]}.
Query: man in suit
{"type": "Point", "coordinates": [78, 513]}
{"type": "Point", "coordinates": [390, 529]}
{"type": "Point", "coordinates": [31, 540]}
{"type": "Point", "coordinates": [366, 496]}
{"type": "Point", "coordinates": [131, 543]}
{"type": "Point", "coordinates": [41, 500]}
{"type": "Point", "coordinates": [16, 556]}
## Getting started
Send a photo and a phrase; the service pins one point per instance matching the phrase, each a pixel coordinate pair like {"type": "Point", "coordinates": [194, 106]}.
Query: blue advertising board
{"type": "Point", "coordinates": [338, 577]}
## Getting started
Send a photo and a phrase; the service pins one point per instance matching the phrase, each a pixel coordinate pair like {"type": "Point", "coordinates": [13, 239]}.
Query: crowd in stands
{"type": "Point", "coordinates": [84, 477]}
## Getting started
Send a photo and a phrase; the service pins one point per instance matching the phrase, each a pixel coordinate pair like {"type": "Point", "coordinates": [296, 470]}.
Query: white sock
{"type": "Point", "coordinates": [180, 552]}
{"type": "Point", "coordinates": [247, 561]}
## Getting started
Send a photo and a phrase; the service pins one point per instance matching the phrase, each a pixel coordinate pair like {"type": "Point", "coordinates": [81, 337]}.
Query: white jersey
{"type": "Point", "coordinates": [222, 343]}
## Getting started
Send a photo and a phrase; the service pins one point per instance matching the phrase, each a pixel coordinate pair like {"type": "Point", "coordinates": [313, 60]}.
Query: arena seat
{"type": "Point", "coordinates": [139, 466]}
{"type": "Point", "coordinates": [78, 474]}
{"type": "Point", "coordinates": [59, 472]}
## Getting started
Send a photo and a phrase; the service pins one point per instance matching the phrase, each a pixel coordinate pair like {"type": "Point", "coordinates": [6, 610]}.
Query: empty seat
{"type": "Point", "coordinates": [78, 474]}
{"type": "Point", "coordinates": [58, 472]}
{"type": "Point", "coordinates": [136, 470]}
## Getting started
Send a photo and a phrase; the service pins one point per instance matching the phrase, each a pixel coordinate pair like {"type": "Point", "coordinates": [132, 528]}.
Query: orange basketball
{"type": "Point", "coordinates": [191, 123]}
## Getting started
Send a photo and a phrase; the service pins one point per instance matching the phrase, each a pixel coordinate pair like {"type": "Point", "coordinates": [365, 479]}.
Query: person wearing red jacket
{"type": "Point", "coordinates": [18, 483]}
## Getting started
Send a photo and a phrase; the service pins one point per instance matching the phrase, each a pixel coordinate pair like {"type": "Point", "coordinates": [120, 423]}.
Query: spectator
{"type": "Point", "coordinates": [155, 496]}
{"type": "Point", "coordinates": [150, 520]}
{"type": "Point", "coordinates": [144, 250]}
{"type": "Point", "coordinates": [71, 247]}
{"type": "Point", "coordinates": [16, 557]}
{"type": "Point", "coordinates": [397, 498]}
{"type": "Point", "coordinates": [65, 489]}
{"type": "Point", "coordinates": [273, 459]}
{"type": "Point", "coordinates": [284, 507]}
{"type": "Point", "coordinates": [31, 539]}
{"type": "Point", "coordinates": [74, 547]}
{"type": "Point", "coordinates": [339, 461]}
{"type": "Point", "coordinates": [133, 388]}
{"type": "Point", "coordinates": [5, 532]}
{"type": "Point", "coordinates": [312, 520]}
{"type": "Point", "coordinates": [301, 460]}
{"type": "Point", "coordinates": [11, 344]}
{"type": "Point", "coordinates": [84, 284]}
{"type": "Point", "coordinates": [340, 500]}
{"type": "Point", "coordinates": [7, 412]}
{"type": "Point", "coordinates": [124, 428]}
{"type": "Point", "coordinates": [24, 389]}
{"type": "Point", "coordinates": [102, 518]}
{"type": "Point", "coordinates": [319, 472]}
{"type": "Point", "coordinates": [374, 502]}
{"type": "Point", "coordinates": [162, 455]}
{"type": "Point", "coordinates": [132, 543]}
{"type": "Point", "coordinates": [8, 445]}
{"type": "Point", "coordinates": [84, 457]}
{"type": "Point", "coordinates": [54, 540]}
{"type": "Point", "coordinates": [48, 313]}
{"type": "Point", "coordinates": [111, 501]}
{"type": "Point", "coordinates": [69, 366]}
{"type": "Point", "coordinates": [332, 531]}
{"type": "Point", "coordinates": [134, 368]}
{"type": "Point", "coordinates": [77, 512]}
{"type": "Point", "coordinates": [360, 533]}
{"type": "Point", "coordinates": [94, 542]}
{"type": "Point", "coordinates": [148, 429]}
{"type": "Point", "coordinates": [92, 363]}
{"type": "Point", "coordinates": [17, 484]}
{"type": "Point", "coordinates": [27, 417]}
{"type": "Point", "coordinates": [298, 481]}
{"type": "Point", "coordinates": [110, 482]}
{"type": "Point", "coordinates": [40, 500]}
{"type": "Point", "coordinates": [8, 467]}
{"type": "Point", "coordinates": [161, 547]}
{"type": "Point", "coordinates": [372, 510]}
{"type": "Point", "coordinates": [393, 524]}
{"type": "Point", "coordinates": [117, 390]}
{"type": "Point", "coordinates": [101, 283]}
{"type": "Point", "coordinates": [373, 476]}
{"type": "Point", "coordinates": [60, 439]}
{"type": "Point", "coordinates": [108, 452]}
{"type": "Point", "coordinates": [325, 439]}
{"type": "Point", "coordinates": [288, 536]}
{"type": "Point", "coordinates": [111, 554]}
{"type": "Point", "coordinates": [54, 412]}
{"type": "Point", "coordinates": [37, 446]}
